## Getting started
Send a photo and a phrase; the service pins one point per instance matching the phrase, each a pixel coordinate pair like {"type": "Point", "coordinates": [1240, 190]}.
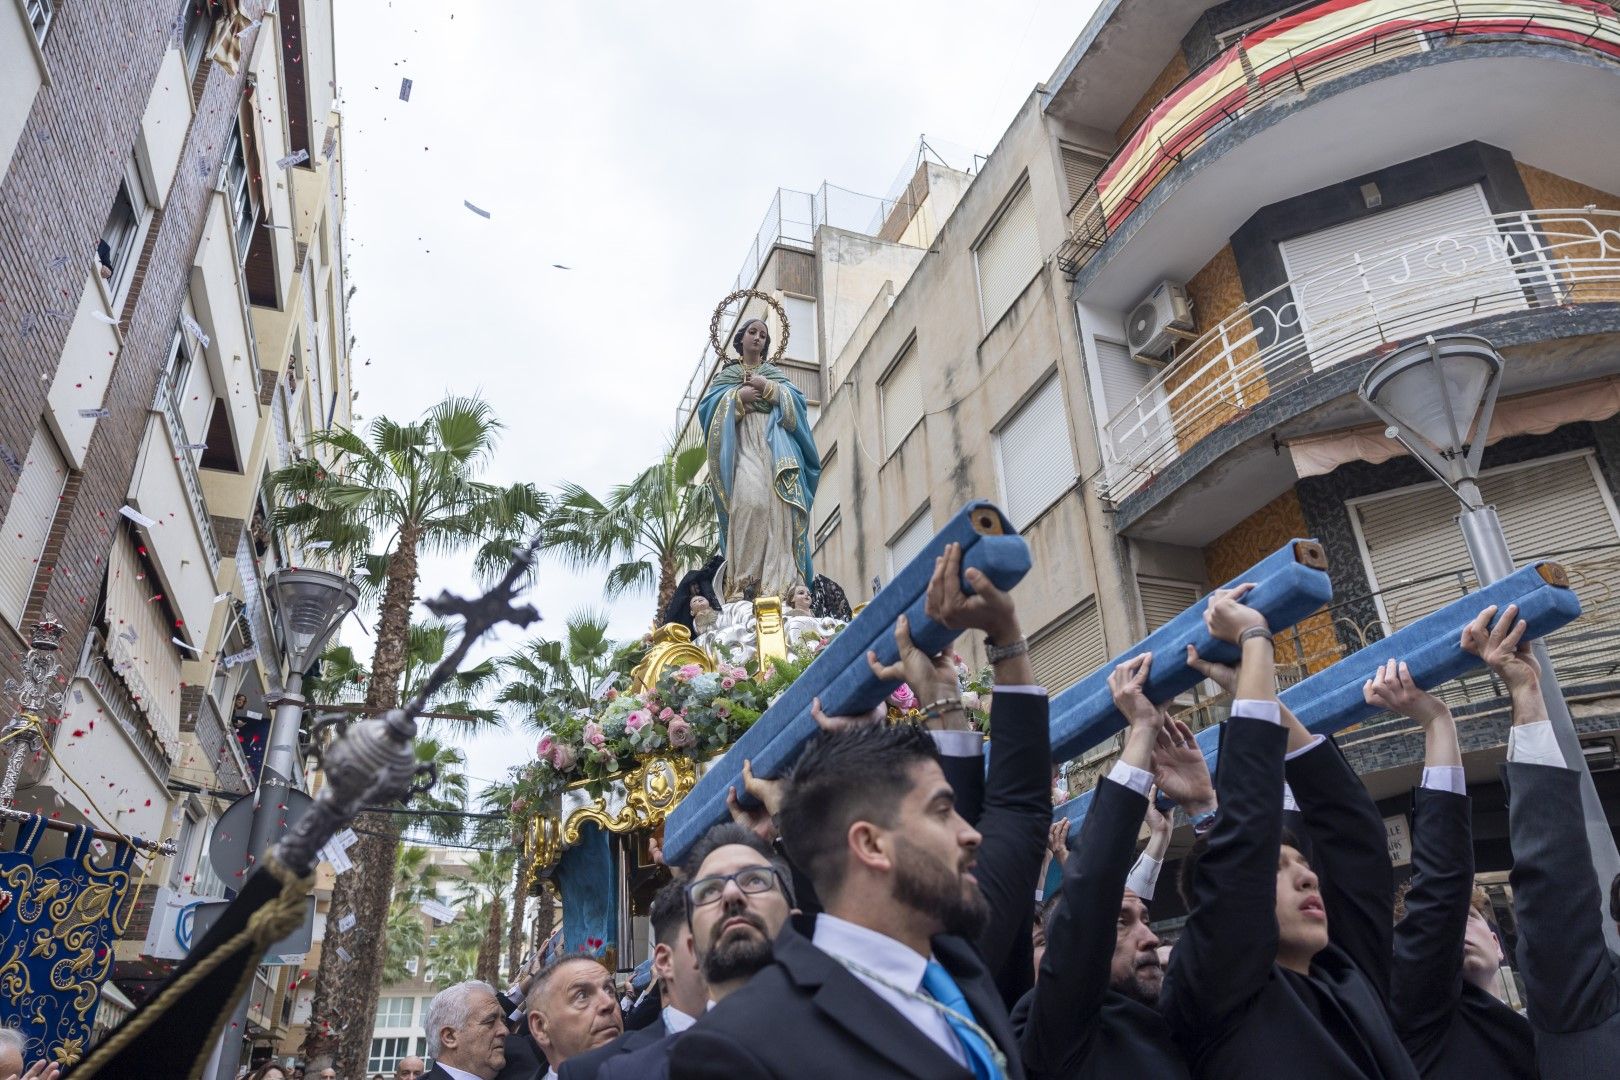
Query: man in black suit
{"type": "Point", "coordinates": [466, 1032]}
{"type": "Point", "coordinates": [1571, 979]}
{"type": "Point", "coordinates": [1277, 968]}
{"type": "Point", "coordinates": [886, 982]}
{"type": "Point", "coordinates": [681, 986]}
{"type": "Point", "coordinates": [1093, 1011]}
{"type": "Point", "coordinates": [573, 1008]}
{"type": "Point", "coordinates": [1446, 956]}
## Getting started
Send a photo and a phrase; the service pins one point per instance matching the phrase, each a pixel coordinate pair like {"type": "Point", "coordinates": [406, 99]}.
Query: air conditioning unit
{"type": "Point", "coordinates": [1159, 320]}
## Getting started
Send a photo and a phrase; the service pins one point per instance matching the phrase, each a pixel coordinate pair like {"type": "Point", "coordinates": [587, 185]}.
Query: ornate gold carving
{"type": "Point", "coordinates": [720, 313]}
{"type": "Point", "coordinates": [770, 630]}
{"type": "Point", "coordinates": [672, 647]}
{"type": "Point", "coordinates": [542, 845]}
{"type": "Point", "coordinates": [654, 788]}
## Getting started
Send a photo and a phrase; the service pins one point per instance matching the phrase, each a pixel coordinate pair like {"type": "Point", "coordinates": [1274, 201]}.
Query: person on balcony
{"type": "Point", "coordinates": [1446, 956]}
{"type": "Point", "coordinates": [763, 470]}
{"type": "Point", "coordinates": [1571, 979]}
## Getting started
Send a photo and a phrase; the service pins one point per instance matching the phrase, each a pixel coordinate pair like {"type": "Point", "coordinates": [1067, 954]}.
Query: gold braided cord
{"type": "Point", "coordinates": [272, 922]}
{"type": "Point", "coordinates": [758, 294]}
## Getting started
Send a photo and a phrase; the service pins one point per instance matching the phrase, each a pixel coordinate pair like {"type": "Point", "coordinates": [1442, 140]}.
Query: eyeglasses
{"type": "Point", "coordinates": [752, 880]}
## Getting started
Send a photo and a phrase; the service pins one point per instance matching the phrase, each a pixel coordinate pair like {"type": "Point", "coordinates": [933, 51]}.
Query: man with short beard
{"type": "Point", "coordinates": [1093, 1011]}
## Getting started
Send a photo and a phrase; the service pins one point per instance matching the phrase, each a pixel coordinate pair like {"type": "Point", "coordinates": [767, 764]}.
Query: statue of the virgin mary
{"type": "Point", "coordinates": [763, 469]}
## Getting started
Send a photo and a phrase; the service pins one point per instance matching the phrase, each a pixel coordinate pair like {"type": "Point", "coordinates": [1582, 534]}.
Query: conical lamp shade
{"type": "Point", "coordinates": [309, 606]}
{"type": "Point", "coordinates": [1437, 392]}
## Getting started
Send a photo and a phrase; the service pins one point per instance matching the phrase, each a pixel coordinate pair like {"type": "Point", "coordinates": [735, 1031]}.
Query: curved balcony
{"type": "Point", "coordinates": [1513, 263]}
{"type": "Point", "coordinates": [1291, 56]}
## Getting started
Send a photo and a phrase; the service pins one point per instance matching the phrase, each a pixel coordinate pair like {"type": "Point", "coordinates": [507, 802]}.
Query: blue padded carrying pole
{"type": "Point", "coordinates": [840, 675]}
{"type": "Point", "coordinates": [1290, 584]}
{"type": "Point", "coordinates": [1331, 700]}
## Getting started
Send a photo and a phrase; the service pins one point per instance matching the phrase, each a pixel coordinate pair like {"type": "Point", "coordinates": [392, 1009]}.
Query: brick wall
{"type": "Point", "coordinates": [103, 57]}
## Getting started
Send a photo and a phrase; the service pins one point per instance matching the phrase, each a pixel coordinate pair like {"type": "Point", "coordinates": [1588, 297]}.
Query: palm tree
{"type": "Point", "coordinates": [648, 529]}
{"type": "Point", "coordinates": [545, 678]}
{"type": "Point", "coordinates": [383, 500]}
{"type": "Point", "coordinates": [406, 942]}
{"type": "Point", "coordinates": [452, 951]}
{"type": "Point", "coordinates": [488, 876]}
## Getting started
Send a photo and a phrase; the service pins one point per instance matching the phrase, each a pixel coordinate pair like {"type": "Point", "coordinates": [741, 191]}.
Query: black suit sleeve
{"type": "Point", "coordinates": [1426, 978]}
{"type": "Point", "coordinates": [965, 774]}
{"type": "Point", "coordinates": [1350, 855]}
{"type": "Point", "coordinates": [1226, 950]}
{"type": "Point", "coordinates": [707, 1055]}
{"type": "Point", "coordinates": [1017, 814]}
{"type": "Point", "coordinates": [1569, 974]}
{"type": "Point", "coordinates": [1080, 934]}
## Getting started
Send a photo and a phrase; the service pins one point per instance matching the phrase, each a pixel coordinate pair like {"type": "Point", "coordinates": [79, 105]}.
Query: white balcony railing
{"type": "Point", "coordinates": [164, 404]}
{"type": "Point", "coordinates": [1530, 260]}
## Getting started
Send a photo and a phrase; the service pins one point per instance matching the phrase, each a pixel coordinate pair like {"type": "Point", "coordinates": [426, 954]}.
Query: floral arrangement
{"type": "Point", "coordinates": [691, 712]}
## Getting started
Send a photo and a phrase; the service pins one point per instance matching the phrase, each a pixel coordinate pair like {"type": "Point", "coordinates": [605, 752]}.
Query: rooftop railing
{"type": "Point", "coordinates": [1291, 56]}
{"type": "Point", "coordinates": [1523, 261]}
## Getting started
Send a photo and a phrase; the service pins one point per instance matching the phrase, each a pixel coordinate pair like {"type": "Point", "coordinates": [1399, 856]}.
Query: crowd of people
{"type": "Point", "coordinates": [876, 917]}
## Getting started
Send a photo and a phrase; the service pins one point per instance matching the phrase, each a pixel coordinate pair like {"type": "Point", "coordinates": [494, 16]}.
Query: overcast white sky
{"type": "Point", "coordinates": [639, 144]}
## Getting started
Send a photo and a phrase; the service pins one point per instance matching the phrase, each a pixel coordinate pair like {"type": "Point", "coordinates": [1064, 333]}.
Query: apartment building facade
{"type": "Point", "coordinates": [173, 328]}
{"type": "Point", "coordinates": [1141, 327]}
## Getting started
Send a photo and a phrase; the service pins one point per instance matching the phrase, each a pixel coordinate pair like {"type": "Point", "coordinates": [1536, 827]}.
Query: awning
{"type": "Point", "coordinates": [1528, 414]}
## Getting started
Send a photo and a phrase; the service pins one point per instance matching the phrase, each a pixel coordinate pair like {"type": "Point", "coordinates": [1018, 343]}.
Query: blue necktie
{"type": "Point", "coordinates": [939, 985]}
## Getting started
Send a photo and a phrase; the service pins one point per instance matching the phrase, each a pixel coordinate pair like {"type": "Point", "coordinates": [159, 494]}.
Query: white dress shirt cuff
{"type": "Point", "coordinates": [1039, 691]}
{"type": "Point", "coordinates": [1138, 780]}
{"type": "Point", "coordinates": [1144, 876]}
{"type": "Point", "coordinates": [1316, 740]}
{"type": "Point", "coordinates": [959, 743]}
{"type": "Point", "coordinates": [1535, 744]}
{"type": "Point", "coordinates": [1258, 710]}
{"type": "Point", "coordinates": [1445, 778]}
{"type": "Point", "coordinates": [1288, 798]}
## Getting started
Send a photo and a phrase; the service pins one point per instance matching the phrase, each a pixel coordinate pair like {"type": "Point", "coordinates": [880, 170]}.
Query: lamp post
{"type": "Point", "coordinates": [1437, 396]}
{"type": "Point", "coordinates": [309, 606]}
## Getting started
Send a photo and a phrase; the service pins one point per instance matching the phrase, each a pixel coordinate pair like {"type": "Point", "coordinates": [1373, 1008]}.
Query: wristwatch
{"type": "Point", "coordinates": [997, 653]}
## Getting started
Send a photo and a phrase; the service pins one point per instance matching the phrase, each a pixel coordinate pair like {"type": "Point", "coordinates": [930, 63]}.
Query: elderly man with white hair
{"type": "Point", "coordinates": [13, 1045]}
{"type": "Point", "coordinates": [466, 1032]}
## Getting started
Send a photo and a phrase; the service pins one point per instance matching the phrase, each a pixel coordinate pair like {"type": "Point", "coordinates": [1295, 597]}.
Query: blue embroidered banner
{"type": "Point", "coordinates": [59, 926]}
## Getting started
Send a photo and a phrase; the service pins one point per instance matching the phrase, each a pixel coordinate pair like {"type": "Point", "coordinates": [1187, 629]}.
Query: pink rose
{"type": "Point", "coordinates": [666, 714]}
{"type": "Point", "coordinates": [593, 734]}
{"type": "Point", "coordinates": [727, 683]}
{"type": "Point", "coordinates": [721, 709]}
{"type": "Point", "coordinates": [611, 694]}
{"type": "Point", "coordinates": [637, 720]}
{"type": "Point", "coordinates": [563, 757]}
{"type": "Point", "coordinates": [680, 733]}
{"type": "Point", "coordinates": [903, 697]}
{"type": "Point", "coordinates": [688, 672]}
{"type": "Point", "coordinates": [544, 749]}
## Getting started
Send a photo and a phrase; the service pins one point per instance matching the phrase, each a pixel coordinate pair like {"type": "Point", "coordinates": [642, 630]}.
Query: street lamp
{"type": "Point", "coordinates": [309, 606]}
{"type": "Point", "coordinates": [1437, 396]}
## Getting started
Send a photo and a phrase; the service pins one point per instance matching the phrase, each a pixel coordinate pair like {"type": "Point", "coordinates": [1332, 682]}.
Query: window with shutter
{"type": "Point", "coordinates": [1554, 507]}
{"type": "Point", "coordinates": [1164, 599]}
{"type": "Point", "coordinates": [28, 521]}
{"type": "Point", "coordinates": [1007, 257]}
{"type": "Point", "coordinates": [902, 399]}
{"type": "Point", "coordinates": [1069, 649]}
{"type": "Point", "coordinates": [910, 542]}
{"type": "Point", "coordinates": [1123, 378]}
{"type": "Point", "coordinates": [1080, 171]}
{"type": "Point", "coordinates": [802, 344]}
{"type": "Point", "coordinates": [1385, 275]}
{"type": "Point", "coordinates": [1035, 456]}
{"type": "Point", "coordinates": [830, 490]}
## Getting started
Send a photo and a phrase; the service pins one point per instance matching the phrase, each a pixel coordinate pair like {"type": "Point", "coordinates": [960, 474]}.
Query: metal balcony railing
{"type": "Point", "coordinates": [163, 403]}
{"type": "Point", "coordinates": [219, 746]}
{"type": "Point", "coordinates": [1294, 54]}
{"type": "Point", "coordinates": [1585, 654]}
{"type": "Point", "coordinates": [95, 666]}
{"type": "Point", "coordinates": [1525, 261]}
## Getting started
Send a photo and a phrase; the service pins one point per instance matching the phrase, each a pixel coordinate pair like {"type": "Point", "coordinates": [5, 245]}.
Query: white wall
{"type": "Point", "coordinates": [163, 127]}
{"type": "Point", "coordinates": [81, 378]}
{"type": "Point", "coordinates": [175, 542]}
{"type": "Point", "coordinates": [20, 63]}
{"type": "Point", "coordinates": [95, 751]}
{"type": "Point", "coordinates": [216, 292]}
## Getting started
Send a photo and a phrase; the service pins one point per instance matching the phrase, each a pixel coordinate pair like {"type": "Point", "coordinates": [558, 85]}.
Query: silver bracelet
{"type": "Point", "coordinates": [997, 653]}
{"type": "Point", "coordinates": [1255, 632]}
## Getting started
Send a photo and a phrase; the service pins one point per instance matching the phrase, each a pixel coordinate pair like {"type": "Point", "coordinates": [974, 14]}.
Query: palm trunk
{"type": "Point", "coordinates": [666, 587]}
{"type": "Point", "coordinates": [514, 935]}
{"type": "Point", "coordinates": [544, 915]}
{"type": "Point", "coordinates": [345, 1000]}
{"type": "Point", "coordinates": [488, 966]}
